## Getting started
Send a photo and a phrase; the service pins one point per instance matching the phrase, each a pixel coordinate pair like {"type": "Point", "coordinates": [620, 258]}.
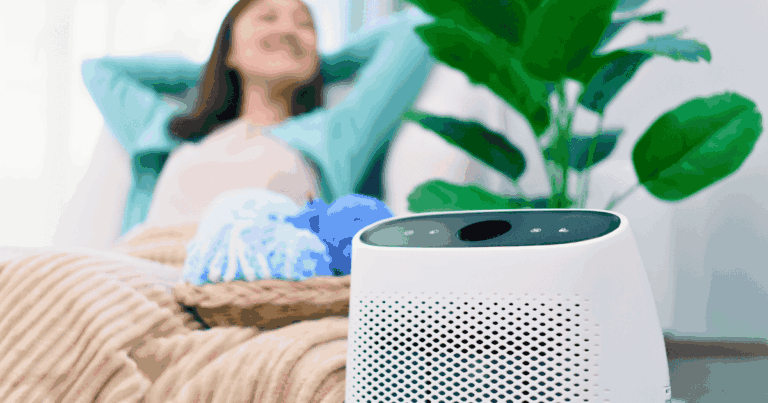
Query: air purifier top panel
{"type": "Point", "coordinates": [492, 228]}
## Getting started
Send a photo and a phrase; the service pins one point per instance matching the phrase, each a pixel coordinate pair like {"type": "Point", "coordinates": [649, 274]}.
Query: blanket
{"type": "Point", "coordinates": [162, 244]}
{"type": "Point", "coordinates": [92, 326]}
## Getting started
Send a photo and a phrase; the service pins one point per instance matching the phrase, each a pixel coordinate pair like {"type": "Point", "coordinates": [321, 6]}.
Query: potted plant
{"type": "Point", "coordinates": [525, 51]}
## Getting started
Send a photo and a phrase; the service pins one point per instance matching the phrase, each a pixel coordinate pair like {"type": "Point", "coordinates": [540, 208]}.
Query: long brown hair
{"type": "Point", "coordinates": [219, 96]}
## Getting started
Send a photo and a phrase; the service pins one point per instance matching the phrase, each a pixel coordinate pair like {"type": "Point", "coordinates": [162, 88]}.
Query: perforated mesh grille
{"type": "Point", "coordinates": [447, 347]}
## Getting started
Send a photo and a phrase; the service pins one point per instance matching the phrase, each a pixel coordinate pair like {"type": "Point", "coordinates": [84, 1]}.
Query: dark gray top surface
{"type": "Point", "coordinates": [493, 228]}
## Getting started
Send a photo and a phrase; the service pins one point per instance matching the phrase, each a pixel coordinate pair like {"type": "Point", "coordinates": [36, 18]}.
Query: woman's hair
{"type": "Point", "coordinates": [219, 96]}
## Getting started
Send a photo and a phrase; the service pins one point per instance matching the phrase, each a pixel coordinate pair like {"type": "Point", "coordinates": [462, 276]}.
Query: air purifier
{"type": "Point", "coordinates": [549, 305]}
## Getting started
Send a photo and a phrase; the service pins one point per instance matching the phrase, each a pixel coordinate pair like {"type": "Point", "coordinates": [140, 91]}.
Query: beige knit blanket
{"type": "Point", "coordinates": [90, 326]}
{"type": "Point", "coordinates": [167, 245]}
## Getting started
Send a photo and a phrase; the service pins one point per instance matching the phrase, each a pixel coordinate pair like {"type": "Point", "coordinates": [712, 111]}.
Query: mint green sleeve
{"type": "Point", "coordinates": [345, 63]}
{"type": "Point", "coordinates": [344, 141]}
{"type": "Point", "coordinates": [127, 92]}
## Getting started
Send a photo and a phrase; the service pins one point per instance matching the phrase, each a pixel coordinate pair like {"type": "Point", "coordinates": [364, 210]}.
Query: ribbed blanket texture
{"type": "Point", "coordinates": [167, 244]}
{"type": "Point", "coordinates": [102, 327]}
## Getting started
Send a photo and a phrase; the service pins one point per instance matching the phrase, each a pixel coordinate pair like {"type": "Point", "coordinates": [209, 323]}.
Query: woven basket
{"type": "Point", "coordinates": [266, 304]}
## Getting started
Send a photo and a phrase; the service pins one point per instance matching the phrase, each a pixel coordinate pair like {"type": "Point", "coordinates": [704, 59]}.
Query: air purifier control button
{"type": "Point", "coordinates": [425, 233]}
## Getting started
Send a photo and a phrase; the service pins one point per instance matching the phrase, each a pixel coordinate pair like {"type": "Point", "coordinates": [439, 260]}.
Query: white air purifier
{"type": "Point", "coordinates": [549, 305]}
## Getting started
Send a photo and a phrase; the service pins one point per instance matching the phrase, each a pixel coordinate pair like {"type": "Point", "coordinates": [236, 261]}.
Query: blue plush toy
{"type": "Point", "coordinates": [337, 224]}
{"type": "Point", "coordinates": [252, 234]}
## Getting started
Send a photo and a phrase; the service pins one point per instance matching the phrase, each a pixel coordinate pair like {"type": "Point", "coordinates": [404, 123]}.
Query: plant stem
{"type": "Point", "coordinates": [555, 175]}
{"type": "Point", "coordinates": [566, 165]}
{"type": "Point", "coordinates": [560, 150]}
{"type": "Point", "coordinates": [583, 186]}
{"type": "Point", "coordinates": [595, 140]}
{"type": "Point", "coordinates": [617, 199]}
{"type": "Point", "coordinates": [518, 190]}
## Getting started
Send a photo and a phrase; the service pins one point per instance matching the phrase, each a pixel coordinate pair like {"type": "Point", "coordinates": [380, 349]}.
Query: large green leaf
{"type": "Point", "coordinates": [437, 195]}
{"type": "Point", "coordinates": [620, 69]}
{"type": "Point", "coordinates": [619, 24]}
{"type": "Point", "coordinates": [609, 80]}
{"type": "Point", "coordinates": [579, 146]}
{"type": "Point", "coordinates": [697, 144]}
{"type": "Point", "coordinates": [532, 5]}
{"type": "Point", "coordinates": [674, 47]}
{"type": "Point", "coordinates": [491, 148]}
{"type": "Point", "coordinates": [592, 64]}
{"type": "Point", "coordinates": [560, 34]}
{"type": "Point", "coordinates": [504, 19]}
{"type": "Point", "coordinates": [488, 61]}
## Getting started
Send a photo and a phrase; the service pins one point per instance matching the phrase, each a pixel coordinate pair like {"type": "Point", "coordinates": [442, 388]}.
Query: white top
{"type": "Point", "coordinates": [236, 155]}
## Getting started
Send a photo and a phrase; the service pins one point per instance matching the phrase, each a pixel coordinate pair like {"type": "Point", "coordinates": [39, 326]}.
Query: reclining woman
{"type": "Point", "coordinates": [264, 69]}
{"type": "Point", "coordinates": [258, 119]}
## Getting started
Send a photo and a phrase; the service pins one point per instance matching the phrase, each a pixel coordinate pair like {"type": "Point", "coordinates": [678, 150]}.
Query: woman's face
{"type": "Point", "coordinates": [274, 39]}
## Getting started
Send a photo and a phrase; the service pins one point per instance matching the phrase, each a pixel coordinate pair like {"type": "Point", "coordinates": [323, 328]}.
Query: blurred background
{"type": "Point", "coordinates": [706, 256]}
{"type": "Point", "coordinates": [694, 250]}
{"type": "Point", "coordinates": [52, 125]}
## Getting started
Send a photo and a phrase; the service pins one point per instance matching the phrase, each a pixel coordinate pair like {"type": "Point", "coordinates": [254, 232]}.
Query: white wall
{"type": "Point", "coordinates": [36, 38]}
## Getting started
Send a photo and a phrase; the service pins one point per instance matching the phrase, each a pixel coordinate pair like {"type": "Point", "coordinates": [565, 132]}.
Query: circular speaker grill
{"type": "Point", "coordinates": [430, 348]}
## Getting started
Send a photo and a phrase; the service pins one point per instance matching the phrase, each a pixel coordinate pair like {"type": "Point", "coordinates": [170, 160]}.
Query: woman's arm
{"type": "Point", "coordinates": [127, 92]}
{"type": "Point", "coordinates": [343, 141]}
{"type": "Point", "coordinates": [344, 64]}
{"type": "Point", "coordinates": [165, 74]}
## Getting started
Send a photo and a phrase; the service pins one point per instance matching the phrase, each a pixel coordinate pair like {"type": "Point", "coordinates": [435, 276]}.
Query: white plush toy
{"type": "Point", "coordinates": [243, 236]}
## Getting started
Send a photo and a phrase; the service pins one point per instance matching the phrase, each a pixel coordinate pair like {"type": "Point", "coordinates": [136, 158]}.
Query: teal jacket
{"type": "Point", "coordinates": [347, 142]}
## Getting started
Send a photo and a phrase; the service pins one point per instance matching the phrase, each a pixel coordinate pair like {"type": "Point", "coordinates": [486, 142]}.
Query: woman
{"type": "Point", "coordinates": [263, 70]}
{"type": "Point", "coordinates": [262, 79]}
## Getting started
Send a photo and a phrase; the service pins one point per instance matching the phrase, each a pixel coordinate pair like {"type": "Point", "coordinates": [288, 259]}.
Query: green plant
{"type": "Point", "coordinates": [525, 51]}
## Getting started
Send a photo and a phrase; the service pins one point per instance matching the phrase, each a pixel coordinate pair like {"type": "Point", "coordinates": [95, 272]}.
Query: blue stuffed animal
{"type": "Point", "coordinates": [337, 224]}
